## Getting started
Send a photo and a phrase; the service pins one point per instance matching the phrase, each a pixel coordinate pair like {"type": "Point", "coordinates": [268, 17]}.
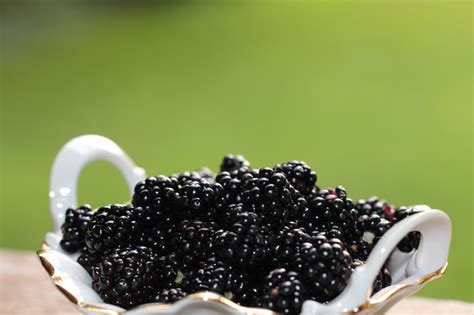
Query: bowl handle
{"type": "Point", "coordinates": [72, 158]}
{"type": "Point", "coordinates": [431, 255]}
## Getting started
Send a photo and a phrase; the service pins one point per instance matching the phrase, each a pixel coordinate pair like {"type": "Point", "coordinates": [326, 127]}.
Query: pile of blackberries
{"type": "Point", "coordinates": [267, 237]}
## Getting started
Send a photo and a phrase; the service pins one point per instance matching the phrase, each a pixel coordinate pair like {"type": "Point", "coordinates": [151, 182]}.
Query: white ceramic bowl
{"type": "Point", "coordinates": [410, 271]}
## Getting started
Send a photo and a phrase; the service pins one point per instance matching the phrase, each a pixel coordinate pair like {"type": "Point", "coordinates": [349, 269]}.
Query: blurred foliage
{"type": "Point", "coordinates": [373, 95]}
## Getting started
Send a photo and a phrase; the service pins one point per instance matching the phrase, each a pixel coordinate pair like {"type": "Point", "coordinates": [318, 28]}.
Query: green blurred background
{"type": "Point", "coordinates": [376, 96]}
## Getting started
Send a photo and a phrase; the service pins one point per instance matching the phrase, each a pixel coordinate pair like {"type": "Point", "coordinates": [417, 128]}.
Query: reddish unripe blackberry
{"type": "Point", "coordinates": [74, 228]}
{"type": "Point", "coordinates": [128, 276]}
{"type": "Point", "coordinates": [374, 205]}
{"type": "Point", "coordinates": [299, 174]}
{"type": "Point", "coordinates": [234, 162]}
{"type": "Point", "coordinates": [245, 242]}
{"type": "Point", "coordinates": [214, 275]}
{"type": "Point", "coordinates": [158, 196]}
{"type": "Point", "coordinates": [113, 226]}
{"type": "Point", "coordinates": [168, 296]}
{"type": "Point", "coordinates": [325, 266]}
{"type": "Point", "coordinates": [283, 292]}
{"type": "Point", "coordinates": [193, 240]}
{"type": "Point", "coordinates": [412, 240]}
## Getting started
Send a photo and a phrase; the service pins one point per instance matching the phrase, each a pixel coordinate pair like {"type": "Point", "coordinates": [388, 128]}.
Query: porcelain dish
{"type": "Point", "coordinates": [410, 271]}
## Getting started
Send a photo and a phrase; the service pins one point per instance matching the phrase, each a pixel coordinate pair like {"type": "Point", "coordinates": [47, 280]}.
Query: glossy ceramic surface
{"type": "Point", "coordinates": [410, 271]}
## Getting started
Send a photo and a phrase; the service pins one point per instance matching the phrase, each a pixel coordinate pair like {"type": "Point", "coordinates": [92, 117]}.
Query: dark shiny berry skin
{"type": "Point", "coordinates": [382, 280]}
{"type": "Point", "coordinates": [244, 242]}
{"type": "Point", "coordinates": [193, 240]}
{"type": "Point", "coordinates": [299, 174]}
{"type": "Point", "coordinates": [214, 275]}
{"type": "Point", "coordinates": [127, 276]}
{"type": "Point", "coordinates": [325, 266]}
{"type": "Point", "coordinates": [113, 226]}
{"type": "Point", "coordinates": [234, 162]}
{"type": "Point", "coordinates": [283, 292]}
{"type": "Point", "coordinates": [412, 240]}
{"type": "Point", "coordinates": [168, 296]}
{"type": "Point", "coordinates": [377, 206]}
{"type": "Point", "coordinates": [286, 244]}
{"type": "Point", "coordinates": [158, 197]}
{"type": "Point", "coordinates": [74, 228]}
{"type": "Point", "coordinates": [199, 199]}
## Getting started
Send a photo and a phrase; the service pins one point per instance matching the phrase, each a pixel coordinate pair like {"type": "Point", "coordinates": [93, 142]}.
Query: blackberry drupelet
{"type": "Point", "coordinates": [283, 292]}
{"type": "Point", "coordinates": [373, 227]}
{"type": "Point", "coordinates": [193, 240]}
{"type": "Point", "coordinates": [128, 276]}
{"type": "Point", "coordinates": [199, 199]}
{"type": "Point", "coordinates": [214, 275]}
{"type": "Point", "coordinates": [207, 175]}
{"type": "Point", "coordinates": [245, 242]}
{"type": "Point", "coordinates": [234, 162]}
{"type": "Point", "coordinates": [374, 205]}
{"type": "Point", "coordinates": [285, 245]}
{"type": "Point", "coordinates": [113, 226]}
{"type": "Point", "coordinates": [359, 249]}
{"type": "Point", "coordinates": [74, 228]}
{"type": "Point", "coordinates": [158, 196]}
{"type": "Point", "coordinates": [325, 267]}
{"type": "Point", "coordinates": [89, 261]}
{"type": "Point", "coordinates": [299, 174]}
{"type": "Point", "coordinates": [168, 296]}
{"type": "Point", "coordinates": [412, 240]}
{"type": "Point", "coordinates": [331, 208]}
{"type": "Point", "coordinates": [270, 195]}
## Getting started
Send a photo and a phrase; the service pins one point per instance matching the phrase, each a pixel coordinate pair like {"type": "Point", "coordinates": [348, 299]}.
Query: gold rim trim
{"type": "Point", "coordinates": [62, 285]}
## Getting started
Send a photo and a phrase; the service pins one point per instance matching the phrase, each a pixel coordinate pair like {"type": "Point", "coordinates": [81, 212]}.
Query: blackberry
{"type": "Point", "coordinates": [158, 197]}
{"type": "Point", "coordinates": [374, 205]}
{"type": "Point", "coordinates": [360, 249]}
{"type": "Point", "coordinates": [113, 226]}
{"type": "Point", "coordinates": [199, 199]}
{"type": "Point", "coordinates": [383, 279]}
{"type": "Point", "coordinates": [89, 261]}
{"type": "Point", "coordinates": [286, 243]}
{"type": "Point", "coordinates": [249, 297]}
{"type": "Point", "coordinates": [214, 275]}
{"type": "Point", "coordinates": [270, 195]}
{"type": "Point", "coordinates": [283, 292]}
{"type": "Point", "coordinates": [207, 175]}
{"type": "Point", "coordinates": [193, 240]}
{"type": "Point", "coordinates": [331, 208]}
{"type": "Point", "coordinates": [412, 240]}
{"type": "Point", "coordinates": [168, 296]}
{"type": "Point", "coordinates": [245, 242]}
{"type": "Point", "coordinates": [233, 183]}
{"type": "Point", "coordinates": [234, 162]}
{"type": "Point", "coordinates": [127, 277]}
{"type": "Point", "coordinates": [299, 174]}
{"type": "Point", "coordinates": [373, 227]}
{"type": "Point", "coordinates": [325, 266]}
{"type": "Point", "coordinates": [74, 228]}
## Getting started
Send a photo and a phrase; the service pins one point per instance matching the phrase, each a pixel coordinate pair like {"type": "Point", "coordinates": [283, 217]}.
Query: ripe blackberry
{"type": "Point", "coordinates": [207, 175]}
{"type": "Point", "coordinates": [234, 162]}
{"type": "Point", "coordinates": [199, 199]}
{"type": "Point", "coordinates": [286, 243]}
{"type": "Point", "coordinates": [158, 197]}
{"type": "Point", "coordinates": [299, 174]}
{"type": "Point", "coordinates": [193, 240]}
{"type": "Point", "coordinates": [359, 249]}
{"type": "Point", "coordinates": [89, 261]}
{"type": "Point", "coordinates": [325, 266]}
{"type": "Point", "coordinates": [374, 205]}
{"type": "Point", "coordinates": [270, 195]}
{"type": "Point", "coordinates": [113, 226]}
{"type": "Point", "coordinates": [283, 292]}
{"type": "Point", "coordinates": [331, 208]}
{"type": "Point", "coordinates": [214, 275]}
{"type": "Point", "coordinates": [233, 183]}
{"type": "Point", "coordinates": [75, 224]}
{"type": "Point", "coordinates": [373, 227]}
{"type": "Point", "coordinates": [383, 279]}
{"type": "Point", "coordinates": [128, 277]}
{"type": "Point", "coordinates": [412, 240]}
{"type": "Point", "coordinates": [168, 296]}
{"type": "Point", "coordinates": [245, 242]}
